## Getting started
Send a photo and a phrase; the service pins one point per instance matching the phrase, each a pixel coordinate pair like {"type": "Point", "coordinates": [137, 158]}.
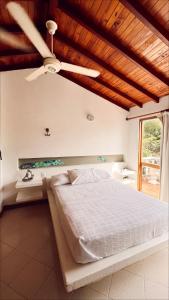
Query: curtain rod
{"type": "Point", "coordinates": [150, 114]}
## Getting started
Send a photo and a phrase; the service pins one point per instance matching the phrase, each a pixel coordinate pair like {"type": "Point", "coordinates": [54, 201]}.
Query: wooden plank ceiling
{"type": "Point", "coordinates": [126, 40]}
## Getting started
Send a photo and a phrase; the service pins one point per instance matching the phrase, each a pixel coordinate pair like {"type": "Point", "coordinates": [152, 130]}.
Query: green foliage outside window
{"type": "Point", "coordinates": [151, 138]}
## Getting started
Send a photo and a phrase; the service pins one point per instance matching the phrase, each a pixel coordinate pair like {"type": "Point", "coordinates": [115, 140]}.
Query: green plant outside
{"type": "Point", "coordinates": [151, 138]}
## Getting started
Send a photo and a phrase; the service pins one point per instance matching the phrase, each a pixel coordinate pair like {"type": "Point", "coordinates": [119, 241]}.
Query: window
{"type": "Point", "coordinates": [149, 156]}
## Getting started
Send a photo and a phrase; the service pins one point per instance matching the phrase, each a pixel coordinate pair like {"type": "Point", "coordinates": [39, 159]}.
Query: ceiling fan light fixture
{"type": "Point", "coordinates": [52, 65]}
{"type": "Point", "coordinates": [51, 69]}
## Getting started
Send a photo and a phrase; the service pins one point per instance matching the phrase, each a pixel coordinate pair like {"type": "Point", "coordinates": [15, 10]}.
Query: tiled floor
{"type": "Point", "coordinates": [29, 265]}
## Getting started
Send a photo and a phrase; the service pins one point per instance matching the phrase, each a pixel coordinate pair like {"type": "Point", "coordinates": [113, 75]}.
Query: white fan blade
{"type": "Point", "coordinates": [13, 41]}
{"type": "Point", "coordinates": [21, 17]}
{"type": "Point", "coordinates": [36, 73]}
{"type": "Point", "coordinates": [79, 70]}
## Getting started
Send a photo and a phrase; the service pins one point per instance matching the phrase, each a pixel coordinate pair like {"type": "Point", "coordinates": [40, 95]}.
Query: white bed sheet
{"type": "Point", "coordinates": [101, 219]}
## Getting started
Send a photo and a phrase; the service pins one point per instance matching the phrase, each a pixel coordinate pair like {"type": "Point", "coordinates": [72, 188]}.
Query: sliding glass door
{"type": "Point", "coordinates": [149, 156]}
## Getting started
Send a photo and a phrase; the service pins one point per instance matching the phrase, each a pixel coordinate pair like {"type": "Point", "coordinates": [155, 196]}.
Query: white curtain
{"type": "Point", "coordinates": [164, 194]}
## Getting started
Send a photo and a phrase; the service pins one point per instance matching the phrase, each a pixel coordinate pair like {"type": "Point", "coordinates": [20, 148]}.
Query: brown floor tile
{"type": "Point", "coordinates": [52, 289]}
{"type": "Point", "coordinates": [30, 279]}
{"type": "Point", "coordinates": [32, 244]}
{"type": "Point", "coordinates": [125, 285]}
{"type": "Point", "coordinates": [12, 265]}
{"type": "Point", "coordinates": [6, 293]}
{"type": "Point", "coordinates": [86, 293]}
{"type": "Point", "coordinates": [102, 286]}
{"type": "Point", "coordinates": [154, 268]}
{"type": "Point", "coordinates": [155, 291]}
{"type": "Point", "coordinates": [13, 238]}
{"type": "Point", "coordinates": [5, 250]}
{"type": "Point", "coordinates": [47, 255]}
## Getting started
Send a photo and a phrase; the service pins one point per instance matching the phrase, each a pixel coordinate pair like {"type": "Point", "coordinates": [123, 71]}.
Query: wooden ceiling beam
{"type": "Point", "coordinates": [102, 82]}
{"type": "Point", "coordinates": [14, 52]}
{"type": "Point", "coordinates": [105, 84]}
{"type": "Point", "coordinates": [68, 76]}
{"type": "Point", "coordinates": [147, 19]}
{"type": "Point", "coordinates": [104, 65]}
{"type": "Point", "coordinates": [16, 29]}
{"type": "Point", "coordinates": [19, 66]}
{"type": "Point", "coordinates": [117, 91]}
{"type": "Point", "coordinates": [98, 80]}
{"type": "Point", "coordinates": [76, 14]}
{"type": "Point", "coordinates": [52, 5]}
{"type": "Point", "coordinates": [38, 63]}
{"type": "Point", "coordinates": [32, 65]}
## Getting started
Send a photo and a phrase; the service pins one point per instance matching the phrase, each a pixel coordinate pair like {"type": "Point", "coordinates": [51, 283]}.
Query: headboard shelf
{"type": "Point", "coordinates": [46, 162]}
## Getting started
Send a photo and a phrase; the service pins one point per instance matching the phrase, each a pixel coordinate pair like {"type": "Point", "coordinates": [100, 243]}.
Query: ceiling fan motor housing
{"type": "Point", "coordinates": [52, 65]}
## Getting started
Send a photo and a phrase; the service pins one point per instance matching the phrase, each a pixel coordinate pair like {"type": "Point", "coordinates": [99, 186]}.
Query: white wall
{"type": "Point", "coordinates": [54, 102]}
{"type": "Point", "coordinates": [133, 128]}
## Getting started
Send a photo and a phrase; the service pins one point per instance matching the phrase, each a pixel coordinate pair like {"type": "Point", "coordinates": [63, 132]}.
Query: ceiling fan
{"type": "Point", "coordinates": [50, 63]}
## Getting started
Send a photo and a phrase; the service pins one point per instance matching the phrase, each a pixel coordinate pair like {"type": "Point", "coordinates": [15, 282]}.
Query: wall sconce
{"type": "Point", "coordinates": [47, 132]}
{"type": "Point", "coordinates": [90, 117]}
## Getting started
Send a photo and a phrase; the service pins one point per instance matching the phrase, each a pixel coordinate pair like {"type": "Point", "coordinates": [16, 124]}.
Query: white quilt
{"type": "Point", "coordinates": [103, 218]}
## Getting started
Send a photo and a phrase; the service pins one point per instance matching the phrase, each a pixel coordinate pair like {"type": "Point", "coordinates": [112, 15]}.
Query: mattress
{"type": "Point", "coordinates": [104, 218]}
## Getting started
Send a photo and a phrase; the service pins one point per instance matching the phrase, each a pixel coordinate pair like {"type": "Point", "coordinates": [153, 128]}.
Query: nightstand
{"type": "Point", "coordinates": [129, 177]}
{"type": "Point", "coordinates": [32, 190]}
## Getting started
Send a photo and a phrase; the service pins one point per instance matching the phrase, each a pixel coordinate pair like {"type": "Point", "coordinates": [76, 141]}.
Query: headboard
{"type": "Point", "coordinates": [47, 166]}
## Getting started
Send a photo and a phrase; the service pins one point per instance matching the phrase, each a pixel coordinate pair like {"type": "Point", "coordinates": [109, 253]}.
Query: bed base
{"type": "Point", "coordinates": [77, 275]}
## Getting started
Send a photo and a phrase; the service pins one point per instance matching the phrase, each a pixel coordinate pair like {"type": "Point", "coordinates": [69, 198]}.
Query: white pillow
{"type": "Point", "coordinates": [101, 174]}
{"type": "Point", "coordinates": [81, 176]}
{"type": "Point", "coordinates": [60, 179]}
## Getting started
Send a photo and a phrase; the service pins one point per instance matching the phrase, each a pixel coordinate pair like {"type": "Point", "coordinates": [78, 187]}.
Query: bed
{"type": "Point", "coordinates": [103, 226]}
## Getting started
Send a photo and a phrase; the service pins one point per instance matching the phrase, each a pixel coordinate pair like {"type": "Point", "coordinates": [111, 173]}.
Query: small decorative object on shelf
{"type": "Point", "coordinates": [29, 176]}
{"type": "Point", "coordinates": [101, 158]}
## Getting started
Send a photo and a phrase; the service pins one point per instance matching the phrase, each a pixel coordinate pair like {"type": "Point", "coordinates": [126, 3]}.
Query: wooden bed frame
{"type": "Point", "coordinates": [77, 275]}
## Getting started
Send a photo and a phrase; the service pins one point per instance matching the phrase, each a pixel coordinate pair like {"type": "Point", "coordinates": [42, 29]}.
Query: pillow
{"type": "Point", "coordinates": [101, 174]}
{"type": "Point", "coordinates": [60, 179]}
{"type": "Point", "coordinates": [81, 176]}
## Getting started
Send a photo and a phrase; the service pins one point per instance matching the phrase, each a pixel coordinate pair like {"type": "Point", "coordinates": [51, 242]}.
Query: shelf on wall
{"type": "Point", "coordinates": [45, 162]}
